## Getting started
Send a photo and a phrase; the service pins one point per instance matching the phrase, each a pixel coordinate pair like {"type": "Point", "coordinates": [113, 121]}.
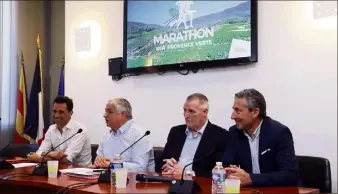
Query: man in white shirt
{"type": "Point", "coordinates": [76, 150]}
{"type": "Point", "coordinates": [123, 133]}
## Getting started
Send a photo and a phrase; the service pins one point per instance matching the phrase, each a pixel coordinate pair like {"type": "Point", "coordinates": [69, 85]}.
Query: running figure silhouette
{"type": "Point", "coordinates": [184, 11]}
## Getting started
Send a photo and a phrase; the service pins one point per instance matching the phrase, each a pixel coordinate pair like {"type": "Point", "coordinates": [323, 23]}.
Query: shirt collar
{"type": "Point", "coordinates": [123, 128]}
{"type": "Point", "coordinates": [70, 125]}
{"type": "Point", "coordinates": [201, 131]}
{"type": "Point", "coordinates": [256, 132]}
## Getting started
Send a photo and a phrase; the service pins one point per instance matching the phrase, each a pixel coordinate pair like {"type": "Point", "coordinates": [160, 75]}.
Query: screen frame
{"type": "Point", "coordinates": [198, 64]}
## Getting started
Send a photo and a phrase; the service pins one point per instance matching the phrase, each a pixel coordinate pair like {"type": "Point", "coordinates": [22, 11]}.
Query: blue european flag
{"type": "Point", "coordinates": [61, 91]}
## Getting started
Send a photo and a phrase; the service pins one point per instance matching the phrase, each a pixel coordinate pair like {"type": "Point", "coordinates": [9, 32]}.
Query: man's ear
{"type": "Point", "coordinates": [256, 112]}
{"type": "Point", "coordinates": [206, 111]}
{"type": "Point", "coordinates": [71, 113]}
{"type": "Point", "coordinates": [124, 113]}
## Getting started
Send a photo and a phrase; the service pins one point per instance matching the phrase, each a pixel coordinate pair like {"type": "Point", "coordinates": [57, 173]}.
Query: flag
{"type": "Point", "coordinates": [34, 117]}
{"type": "Point", "coordinates": [61, 91]}
{"type": "Point", "coordinates": [21, 109]}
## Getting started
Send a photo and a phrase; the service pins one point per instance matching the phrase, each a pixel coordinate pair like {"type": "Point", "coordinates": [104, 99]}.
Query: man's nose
{"type": "Point", "coordinates": [233, 116]}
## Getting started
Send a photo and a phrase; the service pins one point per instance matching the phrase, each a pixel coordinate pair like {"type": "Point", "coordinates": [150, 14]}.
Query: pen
{"type": "Point", "coordinates": [99, 170]}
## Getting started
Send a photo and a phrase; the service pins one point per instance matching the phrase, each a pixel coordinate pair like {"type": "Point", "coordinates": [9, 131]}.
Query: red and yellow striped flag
{"type": "Point", "coordinates": [21, 107]}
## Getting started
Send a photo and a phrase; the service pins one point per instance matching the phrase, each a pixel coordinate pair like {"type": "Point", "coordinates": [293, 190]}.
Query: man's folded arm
{"type": "Point", "coordinates": [75, 147]}
{"type": "Point", "coordinates": [165, 153]}
{"type": "Point", "coordinates": [46, 144]}
{"type": "Point", "coordinates": [140, 163]}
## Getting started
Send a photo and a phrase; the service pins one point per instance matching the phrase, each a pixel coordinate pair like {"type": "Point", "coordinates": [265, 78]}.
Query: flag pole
{"type": "Point", "coordinates": [41, 69]}
{"type": "Point", "coordinates": [63, 61]}
{"type": "Point", "coordinates": [61, 88]}
{"type": "Point", "coordinates": [24, 72]}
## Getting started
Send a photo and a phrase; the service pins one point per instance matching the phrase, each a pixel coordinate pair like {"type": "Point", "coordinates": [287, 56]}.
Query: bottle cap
{"type": "Point", "coordinates": [219, 164]}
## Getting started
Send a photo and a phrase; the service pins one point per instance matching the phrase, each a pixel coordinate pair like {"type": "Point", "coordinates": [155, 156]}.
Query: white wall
{"type": "Point", "coordinates": [297, 73]}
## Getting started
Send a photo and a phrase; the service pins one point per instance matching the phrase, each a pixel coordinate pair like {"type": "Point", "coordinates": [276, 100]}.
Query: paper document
{"type": "Point", "coordinates": [21, 165]}
{"type": "Point", "coordinates": [81, 171]}
{"type": "Point", "coordinates": [240, 48]}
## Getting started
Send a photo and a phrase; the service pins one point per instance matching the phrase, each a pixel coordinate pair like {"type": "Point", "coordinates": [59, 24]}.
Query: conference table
{"type": "Point", "coordinates": [44, 185]}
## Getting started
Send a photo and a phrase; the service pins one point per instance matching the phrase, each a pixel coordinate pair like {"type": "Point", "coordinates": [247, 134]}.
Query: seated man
{"type": "Point", "coordinates": [197, 138]}
{"type": "Point", "coordinates": [261, 152]}
{"type": "Point", "coordinates": [124, 132]}
{"type": "Point", "coordinates": [77, 150]}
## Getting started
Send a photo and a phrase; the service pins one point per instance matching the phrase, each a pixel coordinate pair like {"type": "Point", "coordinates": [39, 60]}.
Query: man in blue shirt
{"type": "Point", "coordinates": [124, 132]}
{"type": "Point", "coordinates": [197, 140]}
{"type": "Point", "coordinates": [261, 152]}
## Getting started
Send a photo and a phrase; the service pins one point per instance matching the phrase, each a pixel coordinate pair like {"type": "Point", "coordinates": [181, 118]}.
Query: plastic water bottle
{"type": "Point", "coordinates": [115, 163]}
{"type": "Point", "coordinates": [218, 178]}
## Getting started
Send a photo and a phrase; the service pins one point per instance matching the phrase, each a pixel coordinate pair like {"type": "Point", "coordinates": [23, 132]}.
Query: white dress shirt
{"type": "Point", "coordinates": [77, 148]}
{"type": "Point", "coordinates": [254, 148]}
{"type": "Point", "coordinates": [139, 157]}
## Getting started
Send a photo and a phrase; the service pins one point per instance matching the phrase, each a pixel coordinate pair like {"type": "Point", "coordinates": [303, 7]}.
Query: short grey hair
{"type": "Point", "coordinates": [199, 96]}
{"type": "Point", "coordinates": [254, 99]}
{"type": "Point", "coordinates": [122, 105]}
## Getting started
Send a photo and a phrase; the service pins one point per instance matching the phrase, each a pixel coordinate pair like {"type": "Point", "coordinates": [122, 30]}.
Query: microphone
{"type": "Point", "coordinates": [187, 186]}
{"type": "Point", "coordinates": [145, 134]}
{"type": "Point", "coordinates": [4, 164]}
{"type": "Point", "coordinates": [105, 175]}
{"type": "Point", "coordinates": [158, 179]}
{"type": "Point", "coordinates": [42, 170]}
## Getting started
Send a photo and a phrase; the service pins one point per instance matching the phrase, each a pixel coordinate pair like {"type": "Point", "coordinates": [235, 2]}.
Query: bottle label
{"type": "Point", "coordinates": [218, 177]}
{"type": "Point", "coordinates": [114, 165]}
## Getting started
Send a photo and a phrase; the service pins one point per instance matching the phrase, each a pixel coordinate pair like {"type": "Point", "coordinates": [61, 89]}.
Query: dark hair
{"type": "Point", "coordinates": [254, 99]}
{"type": "Point", "coordinates": [64, 100]}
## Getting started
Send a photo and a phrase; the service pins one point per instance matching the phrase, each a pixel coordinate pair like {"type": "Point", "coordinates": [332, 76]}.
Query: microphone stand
{"type": "Point", "coordinates": [105, 175]}
{"type": "Point", "coordinates": [41, 169]}
{"type": "Point", "coordinates": [187, 186]}
{"type": "Point", "coordinates": [3, 163]}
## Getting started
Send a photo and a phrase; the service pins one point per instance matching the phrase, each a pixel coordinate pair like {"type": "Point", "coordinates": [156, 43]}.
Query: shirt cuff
{"type": "Point", "coordinates": [70, 158]}
{"type": "Point", "coordinates": [39, 152]}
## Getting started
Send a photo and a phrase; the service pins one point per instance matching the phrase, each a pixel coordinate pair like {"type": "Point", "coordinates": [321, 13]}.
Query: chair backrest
{"type": "Point", "coordinates": [315, 172]}
{"type": "Point", "coordinates": [94, 149]}
{"type": "Point", "coordinates": [19, 150]}
{"type": "Point", "coordinates": [157, 153]}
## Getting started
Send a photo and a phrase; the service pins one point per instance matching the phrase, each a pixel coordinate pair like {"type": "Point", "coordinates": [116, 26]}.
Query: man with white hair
{"type": "Point", "coordinates": [123, 133]}
{"type": "Point", "coordinates": [197, 138]}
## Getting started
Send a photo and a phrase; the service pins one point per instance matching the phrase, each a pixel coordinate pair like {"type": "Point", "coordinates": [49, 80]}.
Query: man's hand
{"type": "Point", "coordinates": [32, 156]}
{"type": "Point", "coordinates": [169, 164]}
{"type": "Point", "coordinates": [171, 167]}
{"type": "Point", "coordinates": [101, 162]}
{"type": "Point", "coordinates": [238, 173]}
{"type": "Point", "coordinates": [57, 155]}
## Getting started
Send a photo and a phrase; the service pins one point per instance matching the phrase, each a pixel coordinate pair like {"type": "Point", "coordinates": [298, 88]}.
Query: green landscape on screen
{"type": "Point", "coordinates": [151, 42]}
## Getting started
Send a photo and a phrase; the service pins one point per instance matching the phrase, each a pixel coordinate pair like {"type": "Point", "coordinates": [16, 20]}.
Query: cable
{"type": "Point", "coordinates": [194, 70]}
{"type": "Point", "coordinates": [68, 187]}
{"type": "Point", "coordinates": [79, 186]}
{"type": "Point", "coordinates": [119, 77]}
{"type": "Point", "coordinates": [14, 176]}
{"type": "Point", "coordinates": [161, 73]}
{"type": "Point", "coordinates": [71, 186]}
{"type": "Point", "coordinates": [178, 71]}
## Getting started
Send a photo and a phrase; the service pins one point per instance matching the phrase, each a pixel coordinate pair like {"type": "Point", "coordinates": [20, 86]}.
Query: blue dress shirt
{"type": "Point", "coordinates": [139, 158]}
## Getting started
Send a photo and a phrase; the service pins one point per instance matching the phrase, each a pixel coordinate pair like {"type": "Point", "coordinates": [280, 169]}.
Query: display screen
{"type": "Point", "coordinates": [161, 33]}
